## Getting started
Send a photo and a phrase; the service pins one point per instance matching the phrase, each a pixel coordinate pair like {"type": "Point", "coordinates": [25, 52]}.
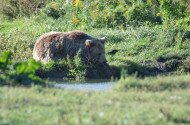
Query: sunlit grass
{"type": "Point", "coordinates": [133, 44]}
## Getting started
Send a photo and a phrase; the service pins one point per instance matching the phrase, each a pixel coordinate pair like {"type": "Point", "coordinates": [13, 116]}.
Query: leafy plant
{"type": "Point", "coordinates": [76, 68]}
{"type": "Point", "coordinates": [171, 9]}
{"type": "Point", "coordinates": [5, 61]}
{"type": "Point", "coordinates": [18, 73]}
{"type": "Point", "coordinates": [184, 22]}
{"type": "Point", "coordinates": [70, 68]}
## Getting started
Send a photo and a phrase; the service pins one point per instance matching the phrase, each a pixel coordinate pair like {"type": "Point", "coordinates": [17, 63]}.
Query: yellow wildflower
{"type": "Point", "coordinates": [94, 13]}
{"type": "Point", "coordinates": [77, 3]}
{"type": "Point", "coordinates": [158, 14]}
{"type": "Point", "coordinates": [75, 20]}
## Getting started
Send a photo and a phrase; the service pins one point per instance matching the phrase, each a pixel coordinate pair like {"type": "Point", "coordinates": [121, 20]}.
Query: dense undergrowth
{"type": "Point", "coordinates": [18, 73]}
{"type": "Point", "coordinates": [98, 13]}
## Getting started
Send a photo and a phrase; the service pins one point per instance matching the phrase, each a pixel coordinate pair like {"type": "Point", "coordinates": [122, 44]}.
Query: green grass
{"type": "Point", "coordinates": [144, 49]}
{"type": "Point", "coordinates": [135, 44]}
{"type": "Point", "coordinates": [140, 43]}
{"type": "Point", "coordinates": [47, 106]}
{"type": "Point", "coordinates": [159, 83]}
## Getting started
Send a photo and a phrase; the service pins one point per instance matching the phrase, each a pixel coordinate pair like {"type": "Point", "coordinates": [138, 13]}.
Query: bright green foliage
{"type": "Point", "coordinates": [24, 72]}
{"type": "Point", "coordinates": [5, 61]}
{"type": "Point", "coordinates": [76, 68]}
{"type": "Point", "coordinates": [171, 9]}
{"type": "Point", "coordinates": [185, 22]}
{"type": "Point", "coordinates": [18, 73]}
{"type": "Point", "coordinates": [69, 68]}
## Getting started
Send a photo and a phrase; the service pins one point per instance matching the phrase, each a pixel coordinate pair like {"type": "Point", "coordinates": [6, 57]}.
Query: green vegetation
{"type": "Point", "coordinates": [132, 105]}
{"type": "Point", "coordinates": [160, 83]}
{"type": "Point", "coordinates": [162, 44]}
{"type": "Point", "coordinates": [18, 73]}
{"type": "Point", "coordinates": [148, 35]}
{"type": "Point", "coordinates": [147, 47]}
{"type": "Point", "coordinates": [69, 69]}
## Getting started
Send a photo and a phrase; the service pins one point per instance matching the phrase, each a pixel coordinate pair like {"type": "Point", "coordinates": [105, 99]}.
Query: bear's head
{"type": "Point", "coordinates": [96, 50]}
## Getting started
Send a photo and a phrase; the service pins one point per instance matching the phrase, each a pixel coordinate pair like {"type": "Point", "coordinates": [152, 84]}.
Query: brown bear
{"type": "Point", "coordinates": [59, 45]}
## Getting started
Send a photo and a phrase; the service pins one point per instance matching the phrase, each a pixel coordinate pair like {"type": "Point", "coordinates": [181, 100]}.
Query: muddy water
{"type": "Point", "coordinates": [93, 85]}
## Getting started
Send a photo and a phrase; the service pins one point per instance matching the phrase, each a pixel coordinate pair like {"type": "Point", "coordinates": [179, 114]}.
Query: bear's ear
{"type": "Point", "coordinates": [89, 43]}
{"type": "Point", "coordinates": [103, 39]}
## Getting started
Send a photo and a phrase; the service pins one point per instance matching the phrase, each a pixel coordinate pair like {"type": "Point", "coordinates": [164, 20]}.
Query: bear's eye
{"type": "Point", "coordinates": [99, 54]}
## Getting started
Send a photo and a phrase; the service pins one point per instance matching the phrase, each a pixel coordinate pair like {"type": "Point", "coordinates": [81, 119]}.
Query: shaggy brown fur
{"type": "Point", "coordinates": [57, 45]}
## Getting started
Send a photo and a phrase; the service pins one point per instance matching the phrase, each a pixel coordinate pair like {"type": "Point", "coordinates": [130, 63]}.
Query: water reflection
{"type": "Point", "coordinates": [86, 86]}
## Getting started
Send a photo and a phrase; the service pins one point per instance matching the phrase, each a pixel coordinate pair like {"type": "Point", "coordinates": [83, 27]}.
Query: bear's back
{"type": "Point", "coordinates": [77, 36]}
{"type": "Point", "coordinates": [48, 36]}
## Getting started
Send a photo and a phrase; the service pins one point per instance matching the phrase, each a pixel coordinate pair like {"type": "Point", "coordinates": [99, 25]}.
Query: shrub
{"type": "Point", "coordinates": [14, 8]}
{"type": "Point", "coordinates": [171, 9]}
{"type": "Point", "coordinates": [54, 10]}
{"type": "Point", "coordinates": [69, 68]}
{"type": "Point", "coordinates": [76, 68]}
{"type": "Point", "coordinates": [141, 13]}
